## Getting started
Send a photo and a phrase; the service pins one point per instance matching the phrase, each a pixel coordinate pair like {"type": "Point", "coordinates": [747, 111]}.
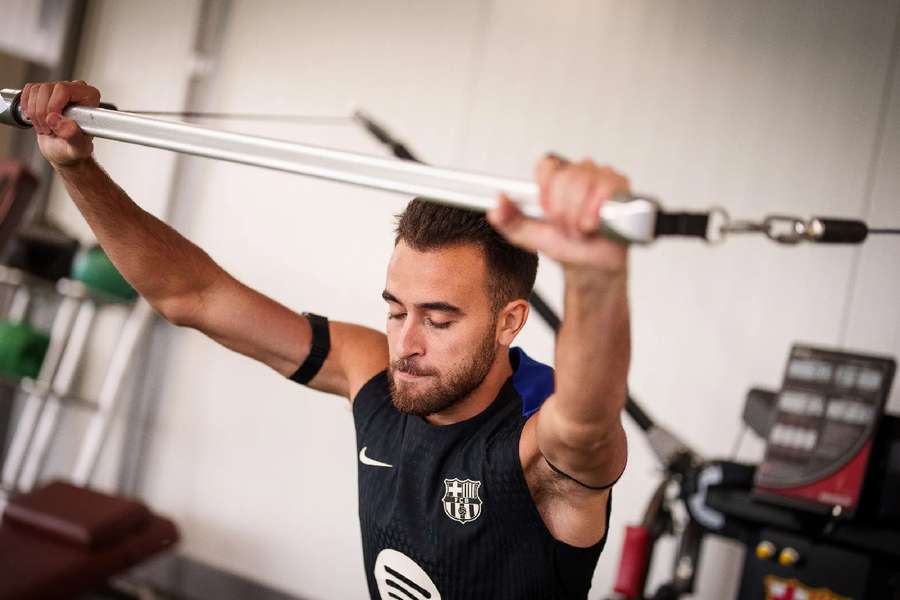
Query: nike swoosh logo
{"type": "Point", "coordinates": [370, 461]}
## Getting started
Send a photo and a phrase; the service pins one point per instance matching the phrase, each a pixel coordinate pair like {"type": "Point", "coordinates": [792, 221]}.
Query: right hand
{"type": "Point", "coordinates": [60, 139]}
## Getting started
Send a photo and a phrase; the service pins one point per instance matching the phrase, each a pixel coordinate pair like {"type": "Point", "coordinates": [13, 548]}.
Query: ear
{"type": "Point", "coordinates": [512, 319]}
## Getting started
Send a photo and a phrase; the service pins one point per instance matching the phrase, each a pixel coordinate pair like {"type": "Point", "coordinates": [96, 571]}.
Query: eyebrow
{"type": "Point", "coordinates": [438, 306]}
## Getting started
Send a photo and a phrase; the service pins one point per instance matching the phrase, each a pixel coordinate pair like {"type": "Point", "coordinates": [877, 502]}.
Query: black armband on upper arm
{"type": "Point", "coordinates": [582, 484]}
{"type": "Point", "coordinates": [318, 349]}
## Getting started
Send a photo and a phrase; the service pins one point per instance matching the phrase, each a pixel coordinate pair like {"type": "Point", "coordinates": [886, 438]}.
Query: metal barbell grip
{"type": "Point", "coordinates": [631, 219]}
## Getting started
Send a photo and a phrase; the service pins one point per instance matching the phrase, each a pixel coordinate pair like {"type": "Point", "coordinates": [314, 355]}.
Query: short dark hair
{"type": "Point", "coordinates": [426, 225]}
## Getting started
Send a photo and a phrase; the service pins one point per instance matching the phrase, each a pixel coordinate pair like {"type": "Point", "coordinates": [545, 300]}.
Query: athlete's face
{"type": "Point", "coordinates": [441, 328]}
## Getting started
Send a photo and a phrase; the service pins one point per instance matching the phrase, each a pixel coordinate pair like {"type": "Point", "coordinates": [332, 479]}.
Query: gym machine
{"type": "Point", "coordinates": [819, 517]}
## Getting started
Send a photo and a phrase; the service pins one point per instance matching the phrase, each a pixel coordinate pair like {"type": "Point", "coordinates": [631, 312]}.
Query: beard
{"type": "Point", "coordinates": [445, 390]}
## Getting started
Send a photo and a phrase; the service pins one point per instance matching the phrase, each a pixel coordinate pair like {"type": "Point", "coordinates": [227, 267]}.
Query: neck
{"type": "Point", "coordinates": [481, 397]}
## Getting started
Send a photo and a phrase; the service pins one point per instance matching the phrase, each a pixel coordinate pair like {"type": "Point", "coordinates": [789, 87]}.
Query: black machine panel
{"type": "Point", "coordinates": [823, 428]}
{"type": "Point", "coordinates": [822, 572]}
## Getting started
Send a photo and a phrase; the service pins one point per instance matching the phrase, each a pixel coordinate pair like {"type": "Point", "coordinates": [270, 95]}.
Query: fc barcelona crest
{"type": "Point", "coordinates": [461, 500]}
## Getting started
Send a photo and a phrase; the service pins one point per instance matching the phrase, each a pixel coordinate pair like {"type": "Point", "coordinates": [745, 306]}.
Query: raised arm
{"type": "Point", "coordinates": [578, 429]}
{"type": "Point", "coordinates": [177, 277]}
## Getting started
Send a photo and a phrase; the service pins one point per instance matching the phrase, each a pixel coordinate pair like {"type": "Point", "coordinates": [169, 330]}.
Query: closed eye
{"type": "Point", "coordinates": [438, 324]}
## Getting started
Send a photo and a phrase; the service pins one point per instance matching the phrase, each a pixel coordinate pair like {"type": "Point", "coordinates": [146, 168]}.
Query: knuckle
{"type": "Point", "coordinates": [545, 167]}
{"type": "Point", "coordinates": [59, 95]}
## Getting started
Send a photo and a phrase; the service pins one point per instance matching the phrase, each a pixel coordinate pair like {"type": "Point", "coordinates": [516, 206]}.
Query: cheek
{"type": "Point", "coordinates": [456, 347]}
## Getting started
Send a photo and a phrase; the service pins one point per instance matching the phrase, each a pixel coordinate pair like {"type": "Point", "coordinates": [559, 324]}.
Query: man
{"type": "Point", "coordinates": [478, 477]}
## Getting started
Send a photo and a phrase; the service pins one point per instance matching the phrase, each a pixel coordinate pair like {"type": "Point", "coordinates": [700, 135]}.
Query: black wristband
{"type": "Point", "coordinates": [318, 349]}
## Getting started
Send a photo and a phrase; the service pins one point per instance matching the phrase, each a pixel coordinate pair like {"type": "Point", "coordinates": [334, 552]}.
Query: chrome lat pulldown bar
{"type": "Point", "coordinates": [629, 219]}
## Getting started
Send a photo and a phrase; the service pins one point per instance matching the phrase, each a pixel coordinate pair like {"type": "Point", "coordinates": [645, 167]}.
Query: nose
{"type": "Point", "coordinates": [410, 342]}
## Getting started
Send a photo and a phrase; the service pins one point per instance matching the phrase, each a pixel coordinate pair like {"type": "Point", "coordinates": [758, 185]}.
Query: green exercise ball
{"type": "Point", "coordinates": [92, 268]}
{"type": "Point", "coordinates": [22, 350]}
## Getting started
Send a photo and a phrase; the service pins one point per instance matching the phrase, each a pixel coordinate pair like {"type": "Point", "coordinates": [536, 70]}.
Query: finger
{"type": "Point", "coordinates": [64, 127]}
{"type": "Point", "coordinates": [530, 234]}
{"type": "Point", "coordinates": [23, 100]}
{"type": "Point", "coordinates": [59, 98]}
{"type": "Point", "coordinates": [547, 166]}
{"type": "Point", "coordinates": [40, 107]}
{"type": "Point", "coordinates": [83, 94]}
{"type": "Point", "coordinates": [568, 180]}
{"type": "Point", "coordinates": [518, 229]}
{"type": "Point", "coordinates": [32, 104]}
{"type": "Point", "coordinates": [607, 187]}
{"type": "Point", "coordinates": [577, 193]}
{"type": "Point", "coordinates": [504, 213]}
{"type": "Point", "coordinates": [545, 170]}
{"type": "Point", "coordinates": [603, 189]}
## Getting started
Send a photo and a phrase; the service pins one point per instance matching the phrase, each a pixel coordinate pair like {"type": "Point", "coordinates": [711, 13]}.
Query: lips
{"type": "Point", "coordinates": [405, 376]}
{"type": "Point", "coordinates": [411, 375]}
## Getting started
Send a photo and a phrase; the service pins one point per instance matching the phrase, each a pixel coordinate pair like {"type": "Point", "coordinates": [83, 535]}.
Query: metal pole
{"type": "Point", "coordinates": [630, 219]}
{"type": "Point", "coordinates": [37, 399]}
{"type": "Point", "coordinates": [55, 394]}
{"type": "Point", "coordinates": [138, 321]}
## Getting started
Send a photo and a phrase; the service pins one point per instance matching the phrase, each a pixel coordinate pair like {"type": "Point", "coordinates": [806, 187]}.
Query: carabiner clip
{"type": "Point", "coordinates": [784, 229]}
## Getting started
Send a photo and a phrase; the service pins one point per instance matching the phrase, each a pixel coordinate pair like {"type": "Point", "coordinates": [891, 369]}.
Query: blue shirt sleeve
{"type": "Point", "coordinates": [531, 379]}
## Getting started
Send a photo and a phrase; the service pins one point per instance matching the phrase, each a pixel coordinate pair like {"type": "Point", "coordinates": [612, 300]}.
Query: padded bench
{"type": "Point", "coordinates": [62, 540]}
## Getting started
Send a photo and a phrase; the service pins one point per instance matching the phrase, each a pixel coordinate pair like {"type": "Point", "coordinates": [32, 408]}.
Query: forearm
{"type": "Point", "coordinates": [593, 354]}
{"type": "Point", "coordinates": [161, 264]}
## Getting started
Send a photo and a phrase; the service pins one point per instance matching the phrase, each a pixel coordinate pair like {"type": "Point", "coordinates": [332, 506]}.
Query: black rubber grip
{"type": "Point", "coordinates": [682, 223]}
{"type": "Point", "coordinates": [842, 231]}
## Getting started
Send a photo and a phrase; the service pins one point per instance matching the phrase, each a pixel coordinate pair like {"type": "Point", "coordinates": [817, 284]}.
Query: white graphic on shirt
{"type": "Point", "coordinates": [461, 500]}
{"type": "Point", "coordinates": [370, 461]}
{"type": "Point", "coordinates": [398, 576]}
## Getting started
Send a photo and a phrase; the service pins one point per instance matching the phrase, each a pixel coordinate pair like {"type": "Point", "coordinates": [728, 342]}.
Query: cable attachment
{"type": "Point", "coordinates": [789, 230]}
{"type": "Point", "coordinates": [785, 230]}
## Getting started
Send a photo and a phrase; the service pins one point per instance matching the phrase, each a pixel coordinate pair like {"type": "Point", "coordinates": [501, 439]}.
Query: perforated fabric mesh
{"type": "Point", "coordinates": [454, 501]}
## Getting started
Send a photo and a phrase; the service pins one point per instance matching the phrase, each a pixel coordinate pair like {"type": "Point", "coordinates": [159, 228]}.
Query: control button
{"type": "Point", "coordinates": [765, 550]}
{"type": "Point", "coordinates": [788, 557]}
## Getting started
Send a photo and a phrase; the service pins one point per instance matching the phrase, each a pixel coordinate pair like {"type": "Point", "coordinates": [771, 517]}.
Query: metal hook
{"type": "Point", "coordinates": [718, 225]}
{"type": "Point", "coordinates": [784, 229]}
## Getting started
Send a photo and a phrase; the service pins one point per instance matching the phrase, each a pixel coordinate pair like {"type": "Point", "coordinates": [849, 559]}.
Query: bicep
{"type": "Point", "coordinates": [255, 325]}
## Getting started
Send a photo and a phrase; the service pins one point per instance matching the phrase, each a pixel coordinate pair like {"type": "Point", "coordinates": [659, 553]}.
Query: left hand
{"type": "Point", "coordinates": [571, 195]}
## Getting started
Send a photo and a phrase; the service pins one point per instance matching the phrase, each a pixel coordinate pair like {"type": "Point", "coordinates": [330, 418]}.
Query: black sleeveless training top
{"type": "Point", "coordinates": [445, 511]}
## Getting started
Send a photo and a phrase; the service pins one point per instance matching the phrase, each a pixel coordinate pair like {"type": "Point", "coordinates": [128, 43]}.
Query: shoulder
{"type": "Point", "coordinates": [532, 380]}
{"type": "Point", "coordinates": [373, 395]}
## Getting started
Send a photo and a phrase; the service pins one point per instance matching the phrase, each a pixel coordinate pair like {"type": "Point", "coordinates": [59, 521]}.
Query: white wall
{"type": "Point", "coordinates": [757, 106]}
{"type": "Point", "coordinates": [138, 55]}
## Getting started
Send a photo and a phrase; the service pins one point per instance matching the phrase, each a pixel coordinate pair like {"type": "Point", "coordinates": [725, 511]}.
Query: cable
{"type": "Point", "coordinates": [884, 231]}
{"type": "Point", "coordinates": [307, 119]}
